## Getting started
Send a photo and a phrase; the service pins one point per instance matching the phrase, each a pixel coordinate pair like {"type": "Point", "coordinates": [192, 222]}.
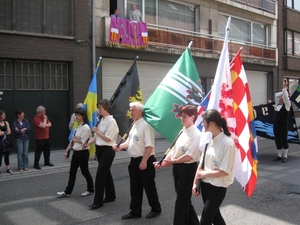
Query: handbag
{"type": "Point", "coordinates": [6, 145]}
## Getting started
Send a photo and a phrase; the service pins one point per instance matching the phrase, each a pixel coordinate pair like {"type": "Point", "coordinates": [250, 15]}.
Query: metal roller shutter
{"type": "Point", "coordinates": [258, 86]}
{"type": "Point", "coordinates": [150, 75]}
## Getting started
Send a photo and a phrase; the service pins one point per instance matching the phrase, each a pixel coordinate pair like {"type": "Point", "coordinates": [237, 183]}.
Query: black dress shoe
{"type": "Point", "coordinates": [284, 159]}
{"type": "Point", "coordinates": [130, 216]}
{"type": "Point", "coordinates": [278, 159]}
{"type": "Point", "coordinates": [37, 167]}
{"type": "Point", "coordinates": [49, 164]}
{"type": "Point", "coordinates": [152, 214]}
{"type": "Point", "coordinates": [108, 200]}
{"type": "Point", "coordinates": [92, 207]}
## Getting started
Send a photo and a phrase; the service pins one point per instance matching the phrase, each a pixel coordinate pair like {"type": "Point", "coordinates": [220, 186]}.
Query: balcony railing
{"type": "Point", "coordinates": [266, 5]}
{"type": "Point", "coordinates": [168, 39]}
{"type": "Point", "coordinates": [175, 38]}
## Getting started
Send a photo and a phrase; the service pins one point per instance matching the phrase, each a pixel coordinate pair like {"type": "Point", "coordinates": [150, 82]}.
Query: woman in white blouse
{"type": "Point", "coordinates": [80, 157]}
{"type": "Point", "coordinates": [217, 162]}
{"type": "Point", "coordinates": [106, 133]}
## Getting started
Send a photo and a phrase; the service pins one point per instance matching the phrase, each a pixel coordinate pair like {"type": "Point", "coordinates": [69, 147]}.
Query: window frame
{"type": "Point", "coordinates": [44, 30]}
{"type": "Point", "coordinates": [293, 52]}
{"type": "Point", "coordinates": [251, 27]}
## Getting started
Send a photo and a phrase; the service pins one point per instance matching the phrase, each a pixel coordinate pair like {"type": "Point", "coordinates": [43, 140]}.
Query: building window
{"type": "Point", "coordinates": [175, 15]}
{"type": "Point", "coordinates": [296, 44]}
{"type": "Point", "coordinates": [5, 14]}
{"type": "Point", "coordinates": [33, 75]}
{"type": "Point", "coordinates": [292, 43]}
{"type": "Point", "coordinates": [259, 33]}
{"type": "Point", "coordinates": [288, 3]}
{"type": "Point", "coordinates": [166, 13]}
{"type": "Point", "coordinates": [29, 16]}
{"type": "Point", "coordinates": [295, 4]}
{"type": "Point", "coordinates": [288, 42]}
{"type": "Point", "coordinates": [243, 30]}
{"type": "Point", "coordinates": [6, 80]}
{"type": "Point", "coordinates": [36, 16]}
{"type": "Point", "coordinates": [28, 75]}
{"type": "Point", "coordinates": [138, 4]}
{"type": "Point", "coordinates": [56, 76]}
{"type": "Point", "coordinates": [150, 11]}
{"type": "Point", "coordinates": [58, 14]}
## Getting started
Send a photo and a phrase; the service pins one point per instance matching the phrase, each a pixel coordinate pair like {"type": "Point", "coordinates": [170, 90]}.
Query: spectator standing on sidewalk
{"type": "Point", "coordinates": [4, 131]}
{"type": "Point", "coordinates": [41, 125]}
{"type": "Point", "coordinates": [21, 129]}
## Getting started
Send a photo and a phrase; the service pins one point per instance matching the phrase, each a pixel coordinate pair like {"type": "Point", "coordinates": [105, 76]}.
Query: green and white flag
{"type": "Point", "coordinates": [181, 86]}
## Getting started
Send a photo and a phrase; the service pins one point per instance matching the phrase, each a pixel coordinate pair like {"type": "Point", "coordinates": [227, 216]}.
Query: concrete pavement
{"type": "Point", "coordinates": [34, 201]}
{"type": "Point", "coordinates": [62, 164]}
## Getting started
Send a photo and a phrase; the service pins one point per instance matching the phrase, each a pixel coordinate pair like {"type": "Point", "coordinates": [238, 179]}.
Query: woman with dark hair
{"type": "Point", "coordinates": [184, 156]}
{"type": "Point", "coordinates": [217, 162]}
{"type": "Point", "coordinates": [106, 133]}
{"type": "Point", "coordinates": [4, 131]}
{"type": "Point", "coordinates": [80, 155]}
{"type": "Point", "coordinates": [21, 129]}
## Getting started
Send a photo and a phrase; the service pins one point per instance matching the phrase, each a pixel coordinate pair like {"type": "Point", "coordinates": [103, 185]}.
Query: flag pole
{"type": "Point", "coordinates": [125, 135]}
{"type": "Point", "coordinates": [98, 64]}
{"type": "Point", "coordinates": [169, 149]}
{"type": "Point", "coordinates": [190, 44]}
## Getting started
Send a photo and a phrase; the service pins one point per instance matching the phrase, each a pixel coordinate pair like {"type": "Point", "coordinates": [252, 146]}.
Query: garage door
{"type": "Point", "coordinates": [150, 75]}
{"type": "Point", "coordinates": [258, 86]}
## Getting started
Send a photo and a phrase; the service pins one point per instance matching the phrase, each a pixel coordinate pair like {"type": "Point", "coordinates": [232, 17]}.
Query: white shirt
{"type": "Point", "coordinates": [83, 132]}
{"type": "Point", "coordinates": [187, 144]}
{"type": "Point", "coordinates": [140, 136]}
{"type": "Point", "coordinates": [220, 155]}
{"type": "Point", "coordinates": [109, 128]}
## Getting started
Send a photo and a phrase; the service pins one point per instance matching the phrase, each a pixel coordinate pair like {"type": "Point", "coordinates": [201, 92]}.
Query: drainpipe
{"type": "Point", "coordinates": [93, 34]}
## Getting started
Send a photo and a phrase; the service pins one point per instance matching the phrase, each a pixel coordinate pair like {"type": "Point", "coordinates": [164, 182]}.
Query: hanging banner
{"type": "Point", "coordinates": [264, 123]}
{"type": "Point", "coordinates": [127, 33]}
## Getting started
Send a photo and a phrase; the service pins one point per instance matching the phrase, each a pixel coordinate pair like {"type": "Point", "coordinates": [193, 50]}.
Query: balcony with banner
{"type": "Point", "coordinates": [124, 33]}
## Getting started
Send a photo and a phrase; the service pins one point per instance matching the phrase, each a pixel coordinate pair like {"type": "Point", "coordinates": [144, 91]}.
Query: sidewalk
{"type": "Point", "coordinates": [62, 164]}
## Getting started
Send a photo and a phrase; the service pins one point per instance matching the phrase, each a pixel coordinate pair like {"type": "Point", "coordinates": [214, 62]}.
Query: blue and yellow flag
{"type": "Point", "coordinates": [90, 102]}
{"type": "Point", "coordinates": [90, 105]}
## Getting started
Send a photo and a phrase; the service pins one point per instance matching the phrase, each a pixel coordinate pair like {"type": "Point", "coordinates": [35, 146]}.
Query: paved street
{"type": "Point", "coordinates": [30, 197]}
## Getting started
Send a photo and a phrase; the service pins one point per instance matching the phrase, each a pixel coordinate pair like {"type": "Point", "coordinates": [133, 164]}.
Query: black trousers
{"type": "Point", "coordinates": [104, 181]}
{"type": "Point", "coordinates": [183, 175]}
{"type": "Point", "coordinates": [212, 198]}
{"type": "Point", "coordinates": [142, 179]}
{"type": "Point", "coordinates": [42, 146]}
{"type": "Point", "coordinates": [80, 159]}
{"type": "Point", "coordinates": [280, 130]}
{"type": "Point", "coordinates": [6, 158]}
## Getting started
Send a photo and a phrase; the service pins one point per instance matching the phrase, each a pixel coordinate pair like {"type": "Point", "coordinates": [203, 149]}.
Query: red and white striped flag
{"type": "Point", "coordinates": [246, 142]}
